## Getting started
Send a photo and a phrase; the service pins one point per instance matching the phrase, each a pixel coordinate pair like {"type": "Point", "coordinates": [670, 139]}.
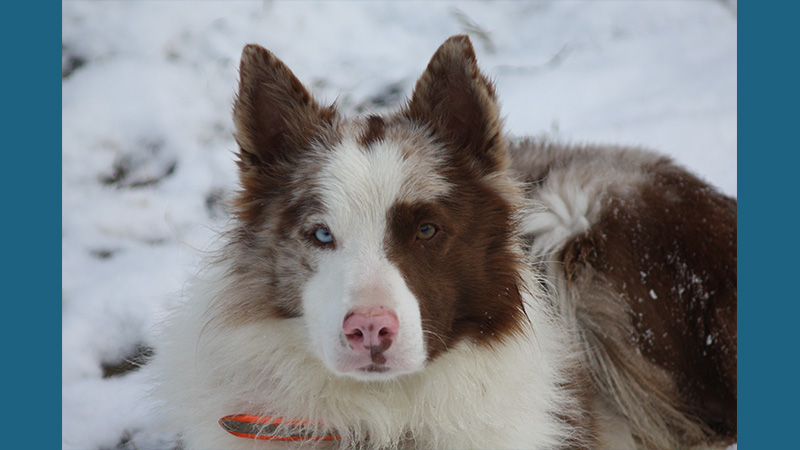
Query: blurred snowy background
{"type": "Point", "coordinates": [147, 149]}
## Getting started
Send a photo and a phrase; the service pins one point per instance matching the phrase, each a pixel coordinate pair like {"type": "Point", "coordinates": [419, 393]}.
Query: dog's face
{"type": "Point", "coordinates": [385, 239]}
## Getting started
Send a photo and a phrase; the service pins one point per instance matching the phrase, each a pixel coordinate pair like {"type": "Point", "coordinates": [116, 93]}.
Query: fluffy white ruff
{"type": "Point", "coordinates": [470, 397]}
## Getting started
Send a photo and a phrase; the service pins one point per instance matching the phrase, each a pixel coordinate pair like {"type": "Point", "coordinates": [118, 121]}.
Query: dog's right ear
{"type": "Point", "coordinates": [274, 114]}
{"type": "Point", "coordinates": [276, 120]}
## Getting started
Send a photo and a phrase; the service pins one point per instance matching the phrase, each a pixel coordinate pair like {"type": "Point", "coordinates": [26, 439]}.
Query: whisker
{"type": "Point", "coordinates": [433, 333]}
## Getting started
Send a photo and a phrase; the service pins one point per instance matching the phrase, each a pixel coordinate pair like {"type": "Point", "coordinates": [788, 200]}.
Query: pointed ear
{"type": "Point", "coordinates": [458, 103]}
{"type": "Point", "coordinates": [276, 119]}
{"type": "Point", "coordinates": [274, 115]}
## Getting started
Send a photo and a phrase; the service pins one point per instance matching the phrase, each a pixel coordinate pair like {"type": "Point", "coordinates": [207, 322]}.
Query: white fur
{"type": "Point", "coordinates": [358, 188]}
{"type": "Point", "coordinates": [215, 360]}
{"type": "Point", "coordinates": [469, 397]}
{"type": "Point", "coordinates": [346, 282]}
{"type": "Point", "coordinates": [562, 210]}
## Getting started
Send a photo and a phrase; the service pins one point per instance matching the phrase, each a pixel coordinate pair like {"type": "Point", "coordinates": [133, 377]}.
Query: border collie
{"type": "Point", "coordinates": [420, 280]}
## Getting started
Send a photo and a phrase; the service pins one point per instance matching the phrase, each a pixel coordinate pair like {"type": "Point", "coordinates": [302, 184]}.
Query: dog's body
{"type": "Point", "coordinates": [415, 281]}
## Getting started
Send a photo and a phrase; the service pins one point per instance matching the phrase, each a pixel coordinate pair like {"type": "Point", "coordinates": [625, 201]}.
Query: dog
{"type": "Point", "coordinates": [421, 280]}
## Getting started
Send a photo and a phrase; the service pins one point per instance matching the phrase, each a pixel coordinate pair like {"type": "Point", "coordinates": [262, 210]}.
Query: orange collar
{"type": "Point", "coordinates": [273, 428]}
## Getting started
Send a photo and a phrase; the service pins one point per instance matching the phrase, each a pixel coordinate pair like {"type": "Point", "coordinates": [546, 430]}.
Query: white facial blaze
{"type": "Point", "coordinates": [358, 187]}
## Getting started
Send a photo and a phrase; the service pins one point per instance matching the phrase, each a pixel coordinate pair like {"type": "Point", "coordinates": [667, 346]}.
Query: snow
{"type": "Point", "coordinates": [147, 145]}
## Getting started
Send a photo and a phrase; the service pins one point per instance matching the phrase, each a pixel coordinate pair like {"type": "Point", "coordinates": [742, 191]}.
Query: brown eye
{"type": "Point", "coordinates": [426, 232]}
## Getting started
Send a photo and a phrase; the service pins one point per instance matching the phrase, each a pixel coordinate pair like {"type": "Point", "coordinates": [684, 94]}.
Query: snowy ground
{"type": "Point", "coordinates": [147, 145]}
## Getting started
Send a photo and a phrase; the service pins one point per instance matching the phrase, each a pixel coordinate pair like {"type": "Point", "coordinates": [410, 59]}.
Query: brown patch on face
{"type": "Point", "coordinates": [374, 132]}
{"type": "Point", "coordinates": [670, 253]}
{"type": "Point", "coordinates": [466, 277]}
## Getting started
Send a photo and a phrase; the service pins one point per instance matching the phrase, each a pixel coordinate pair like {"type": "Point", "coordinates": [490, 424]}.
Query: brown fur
{"type": "Point", "coordinates": [458, 104]}
{"type": "Point", "coordinates": [670, 254]}
{"type": "Point", "coordinates": [652, 287]}
{"type": "Point", "coordinates": [376, 130]}
{"type": "Point", "coordinates": [649, 290]}
{"type": "Point", "coordinates": [276, 119]}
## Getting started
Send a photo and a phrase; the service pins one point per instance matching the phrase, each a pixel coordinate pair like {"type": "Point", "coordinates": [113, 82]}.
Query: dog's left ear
{"type": "Point", "coordinates": [459, 104]}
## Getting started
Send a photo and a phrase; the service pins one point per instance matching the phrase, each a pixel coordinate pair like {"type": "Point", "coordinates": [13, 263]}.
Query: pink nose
{"type": "Point", "coordinates": [371, 329]}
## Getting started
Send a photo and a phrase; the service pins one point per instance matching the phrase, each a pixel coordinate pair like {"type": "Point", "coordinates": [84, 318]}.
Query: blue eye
{"type": "Point", "coordinates": [323, 235]}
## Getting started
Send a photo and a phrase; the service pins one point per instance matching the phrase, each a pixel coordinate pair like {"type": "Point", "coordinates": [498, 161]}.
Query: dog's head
{"type": "Point", "coordinates": [386, 239]}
